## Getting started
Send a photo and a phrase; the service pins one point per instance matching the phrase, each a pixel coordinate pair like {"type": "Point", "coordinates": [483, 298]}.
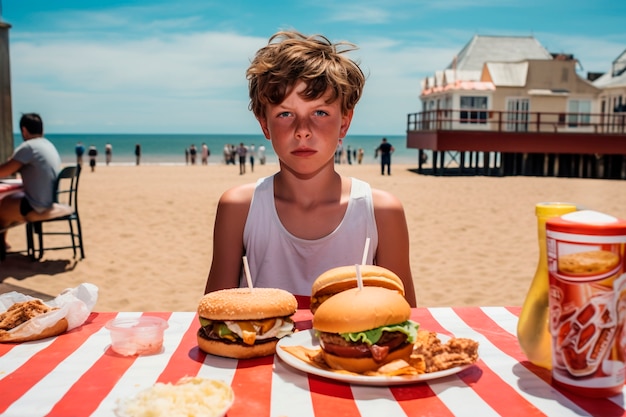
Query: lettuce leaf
{"type": "Point", "coordinates": [370, 337]}
{"type": "Point", "coordinates": [224, 331]}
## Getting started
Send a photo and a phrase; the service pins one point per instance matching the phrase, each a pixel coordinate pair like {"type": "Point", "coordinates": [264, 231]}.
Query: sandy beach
{"type": "Point", "coordinates": [148, 233]}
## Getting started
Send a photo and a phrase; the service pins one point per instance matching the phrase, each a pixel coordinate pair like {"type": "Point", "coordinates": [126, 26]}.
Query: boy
{"type": "Point", "coordinates": [306, 218]}
{"type": "Point", "coordinates": [39, 164]}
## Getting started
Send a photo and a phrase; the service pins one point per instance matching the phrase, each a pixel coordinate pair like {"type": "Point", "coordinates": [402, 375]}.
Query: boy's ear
{"type": "Point", "coordinates": [346, 119]}
{"type": "Point", "coordinates": [263, 123]}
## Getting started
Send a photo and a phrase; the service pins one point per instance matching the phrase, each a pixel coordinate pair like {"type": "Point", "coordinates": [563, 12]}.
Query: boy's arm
{"type": "Point", "coordinates": [393, 240]}
{"type": "Point", "coordinates": [9, 168]}
{"type": "Point", "coordinates": [230, 218]}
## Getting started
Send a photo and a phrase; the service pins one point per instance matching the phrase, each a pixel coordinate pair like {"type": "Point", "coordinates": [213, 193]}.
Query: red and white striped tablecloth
{"type": "Point", "coordinates": [76, 374]}
{"type": "Point", "coordinates": [9, 187]}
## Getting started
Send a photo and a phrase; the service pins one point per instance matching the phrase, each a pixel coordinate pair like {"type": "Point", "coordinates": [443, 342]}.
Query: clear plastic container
{"type": "Point", "coordinates": [137, 335]}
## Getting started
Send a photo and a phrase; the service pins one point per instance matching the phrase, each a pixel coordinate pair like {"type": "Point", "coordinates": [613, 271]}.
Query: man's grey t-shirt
{"type": "Point", "coordinates": [41, 166]}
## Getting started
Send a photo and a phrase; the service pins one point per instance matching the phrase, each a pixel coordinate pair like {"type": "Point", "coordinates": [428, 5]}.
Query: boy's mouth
{"type": "Point", "coordinates": [303, 152]}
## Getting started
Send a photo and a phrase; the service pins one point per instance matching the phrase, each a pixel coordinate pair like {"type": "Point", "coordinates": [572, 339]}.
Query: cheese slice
{"type": "Point", "coordinates": [250, 331]}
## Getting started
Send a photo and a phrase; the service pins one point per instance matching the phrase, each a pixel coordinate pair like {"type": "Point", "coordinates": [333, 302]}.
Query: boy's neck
{"type": "Point", "coordinates": [321, 187]}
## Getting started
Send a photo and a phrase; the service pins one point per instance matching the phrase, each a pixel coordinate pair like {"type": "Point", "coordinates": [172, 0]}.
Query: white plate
{"type": "Point", "coordinates": [308, 340]}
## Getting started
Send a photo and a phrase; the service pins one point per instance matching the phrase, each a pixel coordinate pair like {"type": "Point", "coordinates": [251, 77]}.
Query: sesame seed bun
{"type": "Point", "coordinates": [342, 278]}
{"type": "Point", "coordinates": [246, 304]}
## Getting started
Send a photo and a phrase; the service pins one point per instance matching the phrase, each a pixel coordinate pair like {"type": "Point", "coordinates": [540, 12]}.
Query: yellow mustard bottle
{"type": "Point", "coordinates": [533, 331]}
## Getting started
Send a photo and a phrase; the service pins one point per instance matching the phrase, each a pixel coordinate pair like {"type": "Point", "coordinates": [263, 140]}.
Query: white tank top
{"type": "Point", "coordinates": [278, 259]}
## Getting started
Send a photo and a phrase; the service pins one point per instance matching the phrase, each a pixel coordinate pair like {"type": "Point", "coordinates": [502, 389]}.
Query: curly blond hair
{"type": "Point", "coordinates": [290, 57]}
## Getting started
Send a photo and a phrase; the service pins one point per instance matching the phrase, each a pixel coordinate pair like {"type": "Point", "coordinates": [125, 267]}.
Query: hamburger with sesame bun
{"type": "Point", "coordinates": [362, 329]}
{"type": "Point", "coordinates": [245, 323]}
{"type": "Point", "coordinates": [342, 278]}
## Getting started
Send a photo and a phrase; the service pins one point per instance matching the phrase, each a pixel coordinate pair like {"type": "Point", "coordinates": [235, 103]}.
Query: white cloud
{"type": "Point", "coordinates": [181, 83]}
{"type": "Point", "coordinates": [178, 65]}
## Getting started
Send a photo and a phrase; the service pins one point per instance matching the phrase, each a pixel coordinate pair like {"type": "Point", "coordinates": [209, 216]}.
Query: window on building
{"type": "Point", "coordinates": [579, 113]}
{"type": "Point", "coordinates": [517, 114]}
{"type": "Point", "coordinates": [474, 110]}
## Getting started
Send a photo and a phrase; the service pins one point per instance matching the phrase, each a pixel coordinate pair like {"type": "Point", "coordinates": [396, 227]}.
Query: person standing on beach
{"type": "Point", "coordinates": [80, 151]}
{"type": "Point", "coordinates": [338, 153]}
{"type": "Point", "coordinates": [242, 151]}
{"type": "Point", "coordinates": [108, 152]}
{"type": "Point", "coordinates": [306, 218]}
{"type": "Point", "coordinates": [193, 151]}
{"type": "Point", "coordinates": [385, 150]}
{"type": "Point", "coordinates": [251, 152]}
{"type": "Point", "coordinates": [359, 155]}
{"type": "Point", "coordinates": [226, 152]}
{"type": "Point", "coordinates": [38, 163]}
{"type": "Point", "coordinates": [233, 153]}
{"type": "Point", "coordinates": [205, 152]}
{"type": "Point", "coordinates": [137, 154]}
{"type": "Point", "coordinates": [261, 154]}
{"type": "Point", "coordinates": [92, 153]}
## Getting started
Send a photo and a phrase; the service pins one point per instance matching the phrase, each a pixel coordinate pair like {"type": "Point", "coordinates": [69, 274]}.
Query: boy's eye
{"type": "Point", "coordinates": [321, 113]}
{"type": "Point", "coordinates": [284, 114]}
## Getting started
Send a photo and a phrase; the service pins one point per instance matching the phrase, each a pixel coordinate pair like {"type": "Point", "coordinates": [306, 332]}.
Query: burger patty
{"type": "Point", "coordinates": [335, 344]}
{"type": "Point", "coordinates": [211, 335]}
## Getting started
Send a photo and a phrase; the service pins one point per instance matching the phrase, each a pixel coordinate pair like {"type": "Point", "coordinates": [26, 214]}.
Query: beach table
{"type": "Point", "coordinates": [77, 374]}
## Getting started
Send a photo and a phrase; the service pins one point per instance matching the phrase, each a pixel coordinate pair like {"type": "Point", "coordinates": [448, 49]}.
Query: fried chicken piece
{"type": "Point", "coordinates": [21, 312]}
{"type": "Point", "coordinates": [463, 346]}
{"type": "Point", "coordinates": [438, 356]}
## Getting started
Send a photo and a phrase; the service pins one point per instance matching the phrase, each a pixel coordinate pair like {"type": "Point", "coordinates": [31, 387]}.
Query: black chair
{"type": "Point", "coordinates": [65, 210]}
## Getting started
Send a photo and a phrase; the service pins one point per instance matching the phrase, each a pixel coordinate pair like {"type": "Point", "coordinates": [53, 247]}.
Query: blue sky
{"type": "Point", "coordinates": [140, 66]}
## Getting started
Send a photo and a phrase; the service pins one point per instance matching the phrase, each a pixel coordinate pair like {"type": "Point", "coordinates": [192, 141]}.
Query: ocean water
{"type": "Point", "coordinates": [169, 149]}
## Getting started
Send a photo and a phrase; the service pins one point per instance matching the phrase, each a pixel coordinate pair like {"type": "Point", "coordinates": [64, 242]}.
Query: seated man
{"type": "Point", "coordinates": [39, 164]}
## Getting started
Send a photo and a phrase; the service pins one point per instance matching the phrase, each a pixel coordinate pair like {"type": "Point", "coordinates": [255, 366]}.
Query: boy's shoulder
{"type": "Point", "coordinates": [239, 194]}
{"type": "Point", "coordinates": [385, 200]}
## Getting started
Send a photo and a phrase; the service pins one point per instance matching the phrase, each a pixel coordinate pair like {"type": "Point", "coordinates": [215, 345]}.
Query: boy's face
{"type": "Point", "coordinates": [305, 133]}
